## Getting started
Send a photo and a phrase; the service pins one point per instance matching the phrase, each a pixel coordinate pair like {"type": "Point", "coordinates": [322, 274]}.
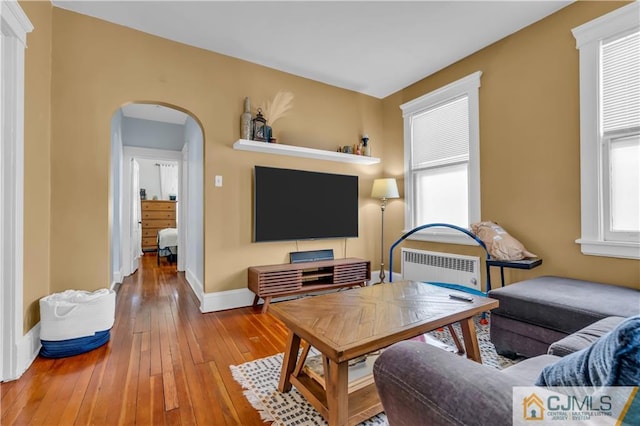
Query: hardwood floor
{"type": "Point", "coordinates": [166, 363]}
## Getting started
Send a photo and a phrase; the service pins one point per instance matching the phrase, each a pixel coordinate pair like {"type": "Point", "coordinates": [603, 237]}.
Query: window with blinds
{"type": "Point", "coordinates": [440, 159]}
{"type": "Point", "coordinates": [620, 111]}
{"type": "Point", "coordinates": [610, 133]}
{"type": "Point", "coordinates": [442, 183]}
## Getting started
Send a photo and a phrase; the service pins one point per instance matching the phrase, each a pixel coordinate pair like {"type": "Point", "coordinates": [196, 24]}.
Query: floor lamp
{"type": "Point", "coordinates": [383, 189]}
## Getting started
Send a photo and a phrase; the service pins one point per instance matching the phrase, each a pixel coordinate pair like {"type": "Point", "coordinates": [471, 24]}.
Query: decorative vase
{"type": "Point", "coordinates": [366, 149]}
{"type": "Point", "coordinates": [268, 132]}
{"type": "Point", "coordinates": [245, 120]}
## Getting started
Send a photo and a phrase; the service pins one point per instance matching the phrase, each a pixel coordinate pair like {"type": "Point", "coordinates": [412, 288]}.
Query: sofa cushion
{"type": "Point", "coordinates": [564, 304]}
{"type": "Point", "coordinates": [529, 369]}
{"type": "Point", "coordinates": [613, 360]}
{"type": "Point", "coordinates": [584, 338]}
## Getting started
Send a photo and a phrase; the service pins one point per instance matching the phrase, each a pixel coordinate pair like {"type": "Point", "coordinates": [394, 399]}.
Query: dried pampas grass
{"type": "Point", "coordinates": [278, 107]}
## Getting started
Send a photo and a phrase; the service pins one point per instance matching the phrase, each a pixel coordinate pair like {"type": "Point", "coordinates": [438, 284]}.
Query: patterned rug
{"type": "Point", "coordinates": [260, 379]}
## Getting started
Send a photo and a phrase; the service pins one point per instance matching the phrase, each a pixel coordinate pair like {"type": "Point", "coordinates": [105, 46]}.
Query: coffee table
{"type": "Point", "coordinates": [352, 323]}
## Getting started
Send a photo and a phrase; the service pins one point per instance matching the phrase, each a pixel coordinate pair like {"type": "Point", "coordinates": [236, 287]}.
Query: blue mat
{"type": "Point", "coordinates": [458, 287]}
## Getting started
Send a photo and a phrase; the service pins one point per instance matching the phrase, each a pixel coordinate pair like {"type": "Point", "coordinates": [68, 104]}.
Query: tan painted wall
{"type": "Point", "coordinates": [529, 145]}
{"type": "Point", "coordinates": [97, 67]}
{"type": "Point", "coordinates": [37, 174]}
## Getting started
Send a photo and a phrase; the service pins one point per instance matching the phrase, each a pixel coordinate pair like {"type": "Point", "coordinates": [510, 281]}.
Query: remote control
{"type": "Point", "coordinates": [461, 297]}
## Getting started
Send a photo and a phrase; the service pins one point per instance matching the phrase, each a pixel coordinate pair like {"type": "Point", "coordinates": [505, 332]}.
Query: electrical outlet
{"type": "Point", "coordinates": [218, 181]}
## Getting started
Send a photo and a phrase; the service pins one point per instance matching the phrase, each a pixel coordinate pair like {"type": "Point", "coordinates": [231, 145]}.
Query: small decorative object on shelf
{"type": "Point", "coordinates": [259, 129]}
{"type": "Point", "coordinates": [276, 109]}
{"type": "Point", "coordinates": [366, 149]}
{"type": "Point", "coordinates": [245, 120]}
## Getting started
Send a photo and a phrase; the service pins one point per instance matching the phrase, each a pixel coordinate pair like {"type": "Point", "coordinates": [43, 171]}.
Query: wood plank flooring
{"type": "Point", "coordinates": [166, 363]}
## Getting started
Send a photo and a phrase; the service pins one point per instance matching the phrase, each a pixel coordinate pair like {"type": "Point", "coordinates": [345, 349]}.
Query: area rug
{"type": "Point", "coordinates": [260, 380]}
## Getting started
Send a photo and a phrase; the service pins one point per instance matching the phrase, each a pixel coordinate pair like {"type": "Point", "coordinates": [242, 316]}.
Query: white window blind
{"type": "Point", "coordinates": [441, 134]}
{"type": "Point", "coordinates": [621, 83]}
{"type": "Point", "coordinates": [442, 181]}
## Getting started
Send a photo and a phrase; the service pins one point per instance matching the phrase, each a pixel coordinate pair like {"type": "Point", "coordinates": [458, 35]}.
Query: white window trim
{"type": "Point", "coordinates": [14, 26]}
{"type": "Point", "coordinates": [588, 37]}
{"type": "Point", "coordinates": [469, 86]}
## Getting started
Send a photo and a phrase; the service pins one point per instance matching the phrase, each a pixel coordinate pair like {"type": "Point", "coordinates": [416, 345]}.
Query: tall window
{"type": "Point", "coordinates": [610, 133]}
{"type": "Point", "coordinates": [442, 159]}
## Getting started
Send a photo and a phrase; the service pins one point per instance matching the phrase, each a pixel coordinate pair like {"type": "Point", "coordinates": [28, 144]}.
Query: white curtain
{"type": "Point", "coordinates": [168, 180]}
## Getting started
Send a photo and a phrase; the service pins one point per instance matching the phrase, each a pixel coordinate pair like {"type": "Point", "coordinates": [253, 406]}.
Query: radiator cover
{"type": "Point", "coordinates": [449, 268]}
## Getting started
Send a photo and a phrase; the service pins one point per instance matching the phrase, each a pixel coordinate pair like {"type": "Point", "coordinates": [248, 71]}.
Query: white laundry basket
{"type": "Point", "coordinates": [75, 321]}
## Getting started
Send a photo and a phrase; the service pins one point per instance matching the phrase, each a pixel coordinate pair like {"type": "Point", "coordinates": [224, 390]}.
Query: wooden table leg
{"type": "Point", "coordinates": [267, 300]}
{"type": "Point", "coordinates": [456, 339]}
{"type": "Point", "coordinates": [303, 357]}
{"type": "Point", "coordinates": [470, 339]}
{"type": "Point", "coordinates": [337, 393]}
{"type": "Point", "coordinates": [289, 361]}
{"type": "Point", "coordinates": [255, 300]}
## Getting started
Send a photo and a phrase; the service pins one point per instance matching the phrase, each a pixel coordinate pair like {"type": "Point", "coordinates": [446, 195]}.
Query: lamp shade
{"type": "Point", "coordinates": [384, 188]}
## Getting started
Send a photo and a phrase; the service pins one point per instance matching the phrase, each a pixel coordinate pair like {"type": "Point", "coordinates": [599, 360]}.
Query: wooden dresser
{"type": "Point", "coordinates": [156, 215]}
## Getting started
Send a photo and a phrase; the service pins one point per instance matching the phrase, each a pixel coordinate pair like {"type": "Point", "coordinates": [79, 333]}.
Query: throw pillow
{"type": "Point", "coordinates": [500, 245]}
{"type": "Point", "coordinates": [612, 360]}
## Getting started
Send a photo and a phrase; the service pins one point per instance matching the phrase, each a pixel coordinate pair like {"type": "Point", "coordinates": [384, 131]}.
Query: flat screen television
{"type": "Point", "coordinates": [301, 205]}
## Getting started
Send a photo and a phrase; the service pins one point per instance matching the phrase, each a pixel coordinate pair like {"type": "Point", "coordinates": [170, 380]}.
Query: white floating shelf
{"type": "Point", "coordinates": [299, 151]}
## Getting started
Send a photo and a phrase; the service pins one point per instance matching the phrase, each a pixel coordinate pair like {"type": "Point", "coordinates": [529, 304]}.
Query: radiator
{"type": "Point", "coordinates": [420, 265]}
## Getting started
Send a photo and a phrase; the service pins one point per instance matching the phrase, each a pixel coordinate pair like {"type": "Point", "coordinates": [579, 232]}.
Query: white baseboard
{"type": "Point", "coordinates": [397, 276]}
{"type": "Point", "coordinates": [118, 277]}
{"type": "Point", "coordinates": [27, 350]}
{"type": "Point", "coordinates": [229, 299]}
{"type": "Point", "coordinates": [195, 284]}
{"type": "Point", "coordinates": [219, 301]}
{"type": "Point", "coordinates": [375, 277]}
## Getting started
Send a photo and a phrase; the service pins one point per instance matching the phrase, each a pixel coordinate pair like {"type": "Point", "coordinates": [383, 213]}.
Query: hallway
{"type": "Point", "coordinates": [166, 363]}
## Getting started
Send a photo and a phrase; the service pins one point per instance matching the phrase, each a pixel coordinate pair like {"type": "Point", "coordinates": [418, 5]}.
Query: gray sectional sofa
{"type": "Point", "coordinates": [571, 329]}
{"type": "Point", "coordinates": [537, 312]}
{"type": "Point", "coordinates": [420, 384]}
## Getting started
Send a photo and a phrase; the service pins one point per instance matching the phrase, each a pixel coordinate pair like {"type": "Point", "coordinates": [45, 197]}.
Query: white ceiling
{"type": "Point", "coordinates": [154, 112]}
{"type": "Point", "coordinates": [372, 47]}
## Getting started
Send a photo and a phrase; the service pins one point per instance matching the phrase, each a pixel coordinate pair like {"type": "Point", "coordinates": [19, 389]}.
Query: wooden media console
{"type": "Point", "coordinates": [306, 277]}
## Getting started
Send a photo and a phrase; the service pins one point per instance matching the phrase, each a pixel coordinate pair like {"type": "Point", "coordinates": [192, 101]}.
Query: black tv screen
{"type": "Point", "coordinates": [301, 205]}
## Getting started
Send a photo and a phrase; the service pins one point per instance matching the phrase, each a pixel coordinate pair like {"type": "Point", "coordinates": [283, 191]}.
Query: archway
{"type": "Point", "coordinates": [156, 133]}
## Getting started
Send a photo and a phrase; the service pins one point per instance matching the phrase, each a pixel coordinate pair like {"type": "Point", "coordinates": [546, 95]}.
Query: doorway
{"type": "Point", "coordinates": [148, 137]}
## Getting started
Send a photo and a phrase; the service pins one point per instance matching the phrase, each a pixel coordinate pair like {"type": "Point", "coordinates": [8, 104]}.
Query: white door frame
{"type": "Point", "coordinates": [130, 152]}
{"type": "Point", "coordinates": [183, 203]}
{"type": "Point", "coordinates": [14, 26]}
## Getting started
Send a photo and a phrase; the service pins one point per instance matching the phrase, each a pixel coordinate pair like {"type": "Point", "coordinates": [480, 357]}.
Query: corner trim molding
{"type": "Point", "coordinates": [229, 299]}
{"type": "Point", "coordinates": [117, 279]}
{"type": "Point", "coordinates": [16, 19]}
{"type": "Point", "coordinates": [195, 284]}
{"type": "Point", "coordinates": [27, 349]}
{"type": "Point", "coordinates": [14, 26]}
{"type": "Point", "coordinates": [607, 25]}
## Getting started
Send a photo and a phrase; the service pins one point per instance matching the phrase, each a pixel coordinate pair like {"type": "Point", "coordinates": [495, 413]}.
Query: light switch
{"type": "Point", "coordinates": [218, 181]}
